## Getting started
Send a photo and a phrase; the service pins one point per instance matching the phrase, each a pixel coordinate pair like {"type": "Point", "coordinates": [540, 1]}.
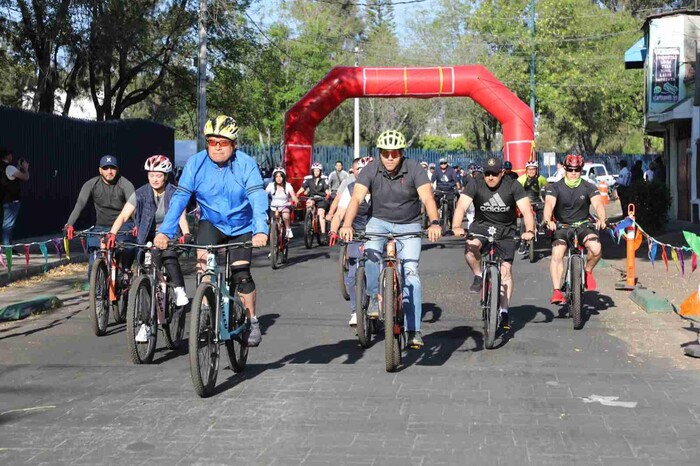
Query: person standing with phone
{"type": "Point", "coordinates": [11, 178]}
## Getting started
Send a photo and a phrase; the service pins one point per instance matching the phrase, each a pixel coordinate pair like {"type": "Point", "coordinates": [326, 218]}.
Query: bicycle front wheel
{"type": "Point", "coordinates": [444, 217]}
{"type": "Point", "coordinates": [203, 346]}
{"type": "Point", "coordinates": [99, 297]}
{"type": "Point", "coordinates": [492, 295]}
{"type": "Point", "coordinates": [364, 324]}
{"type": "Point", "coordinates": [308, 229]}
{"type": "Point", "coordinates": [343, 272]}
{"type": "Point", "coordinates": [141, 330]}
{"type": "Point", "coordinates": [174, 328]}
{"type": "Point", "coordinates": [392, 332]}
{"type": "Point", "coordinates": [237, 347]}
{"type": "Point", "coordinates": [274, 246]}
{"type": "Point", "coordinates": [576, 292]}
{"type": "Point", "coordinates": [532, 248]}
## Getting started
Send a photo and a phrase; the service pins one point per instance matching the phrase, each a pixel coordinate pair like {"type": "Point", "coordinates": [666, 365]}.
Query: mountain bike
{"type": "Point", "coordinates": [152, 303]}
{"type": "Point", "coordinates": [279, 243]}
{"type": "Point", "coordinates": [109, 285]}
{"type": "Point", "coordinates": [445, 209]}
{"type": "Point", "coordinates": [490, 301]}
{"type": "Point", "coordinates": [218, 315]}
{"type": "Point", "coordinates": [343, 268]}
{"type": "Point", "coordinates": [312, 227]}
{"type": "Point", "coordinates": [537, 212]}
{"type": "Point", "coordinates": [391, 290]}
{"type": "Point", "coordinates": [574, 276]}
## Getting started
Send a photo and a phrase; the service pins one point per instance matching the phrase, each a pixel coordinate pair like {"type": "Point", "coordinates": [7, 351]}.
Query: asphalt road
{"type": "Point", "coordinates": [311, 395]}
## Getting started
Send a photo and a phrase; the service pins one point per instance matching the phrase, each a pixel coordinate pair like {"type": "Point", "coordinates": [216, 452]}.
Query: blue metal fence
{"type": "Point", "coordinates": [271, 156]}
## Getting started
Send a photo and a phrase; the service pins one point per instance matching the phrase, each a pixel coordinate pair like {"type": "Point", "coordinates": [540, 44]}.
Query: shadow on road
{"type": "Point", "coordinates": [49, 325]}
{"type": "Point", "coordinates": [439, 347]}
{"type": "Point", "coordinates": [434, 310]}
{"type": "Point", "coordinates": [294, 259]}
{"type": "Point", "coordinates": [520, 316]}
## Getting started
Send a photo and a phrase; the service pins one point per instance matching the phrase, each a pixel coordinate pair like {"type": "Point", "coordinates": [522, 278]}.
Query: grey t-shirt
{"type": "Point", "coordinates": [109, 199]}
{"type": "Point", "coordinates": [335, 179]}
{"type": "Point", "coordinates": [160, 207]}
{"type": "Point", "coordinates": [346, 182]}
{"type": "Point", "coordinates": [394, 198]}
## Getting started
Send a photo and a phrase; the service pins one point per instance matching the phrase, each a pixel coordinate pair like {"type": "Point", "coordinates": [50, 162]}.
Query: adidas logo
{"type": "Point", "coordinates": [495, 204]}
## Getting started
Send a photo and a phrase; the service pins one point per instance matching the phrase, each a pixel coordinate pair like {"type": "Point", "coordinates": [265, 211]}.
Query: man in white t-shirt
{"type": "Point", "coordinates": [11, 178]}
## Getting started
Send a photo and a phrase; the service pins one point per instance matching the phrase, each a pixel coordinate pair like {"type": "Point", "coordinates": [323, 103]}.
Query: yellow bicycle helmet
{"type": "Point", "coordinates": [222, 126]}
{"type": "Point", "coordinates": [391, 140]}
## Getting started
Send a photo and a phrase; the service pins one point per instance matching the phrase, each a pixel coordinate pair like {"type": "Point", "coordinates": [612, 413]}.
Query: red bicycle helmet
{"type": "Point", "coordinates": [574, 161]}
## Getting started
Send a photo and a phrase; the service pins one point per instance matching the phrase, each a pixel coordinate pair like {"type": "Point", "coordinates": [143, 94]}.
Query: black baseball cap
{"type": "Point", "coordinates": [108, 161]}
{"type": "Point", "coordinates": [493, 164]}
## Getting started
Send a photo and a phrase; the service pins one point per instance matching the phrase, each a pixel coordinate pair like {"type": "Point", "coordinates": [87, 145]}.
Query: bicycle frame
{"type": "Point", "coordinates": [576, 252]}
{"type": "Point", "coordinates": [282, 239]}
{"type": "Point", "coordinates": [313, 211]}
{"type": "Point", "coordinates": [219, 281]}
{"type": "Point", "coordinates": [486, 262]}
{"type": "Point", "coordinates": [109, 256]}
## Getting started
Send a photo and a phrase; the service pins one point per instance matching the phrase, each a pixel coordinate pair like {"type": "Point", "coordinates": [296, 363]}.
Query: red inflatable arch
{"type": "Point", "coordinates": [342, 83]}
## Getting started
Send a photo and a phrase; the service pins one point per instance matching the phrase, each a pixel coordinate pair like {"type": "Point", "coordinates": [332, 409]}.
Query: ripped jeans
{"type": "Point", "coordinates": [408, 251]}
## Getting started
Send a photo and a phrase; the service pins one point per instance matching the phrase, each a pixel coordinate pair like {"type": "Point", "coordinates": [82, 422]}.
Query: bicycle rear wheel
{"type": "Point", "coordinates": [274, 246]}
{"type": "Point", "coordinates": [392, 334]}
{"type": "Point", "coordinates": [444, 220]}
{"type": "Point", "coordinates": [203, 347]}
{"type": "Point", "coordinates": [343, 272]}
{"type": "Point", "coordinates": [99, 297]}
{"type": "Point", "coordinates": [364, 323]}
{"type": "Point", "coordinates": [308, 229]}
{"type": "Point", "coordinates": [492, 294]}
{"type": "Point", "coordinates": [119, 308]}
{"type": "Point", "coordinates": [139, 314]}
{"type": "Point", "coordinates": [237, 347]}
{"type": "Point", "coordinates": [174, 329]}
{"type": "Point", "coordinates": [576, 292]}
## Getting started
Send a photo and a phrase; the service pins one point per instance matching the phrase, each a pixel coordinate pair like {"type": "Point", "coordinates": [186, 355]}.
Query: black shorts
{"type": "Point", "coordinates": [324, 204]}
{"type": "Point", "coordinates": [582, 233]}
{"type": "Point", "coordinates": [209, 234]}
{"type": "Point", "coordinates": [505, 243]}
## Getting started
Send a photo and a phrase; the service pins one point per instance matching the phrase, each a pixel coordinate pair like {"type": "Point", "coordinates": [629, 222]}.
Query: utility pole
{"type": "Point", "coordinates": [202, 75]}
{"type": "Point", "coordinates": [356, 133]}
{"type": "Point", "coordinates": [533, 100]}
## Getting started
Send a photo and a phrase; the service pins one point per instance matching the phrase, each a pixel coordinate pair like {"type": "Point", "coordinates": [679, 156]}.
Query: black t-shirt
{"type": "Point", "coordinates": [495, 206]}
{"type": "Point", "coordinates": [315, 187]}
{"type": "Point", "coordinates": [394, 199]}
{"type": "Point", "coordinates": [573, 204]}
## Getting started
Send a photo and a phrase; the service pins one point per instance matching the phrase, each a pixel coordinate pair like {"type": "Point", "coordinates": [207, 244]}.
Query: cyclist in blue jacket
{"type": "Point", "coordinates": [227, 185]}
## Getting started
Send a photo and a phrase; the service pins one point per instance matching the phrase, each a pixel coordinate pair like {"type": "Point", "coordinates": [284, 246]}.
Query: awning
{"type": "Point", "coordinates": [682, 110]}
{"type": "Point", "coordinates": [635, 55]}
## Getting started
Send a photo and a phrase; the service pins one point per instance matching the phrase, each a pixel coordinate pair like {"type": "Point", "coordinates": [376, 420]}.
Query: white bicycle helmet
{"type": "Point", "coordinates": [278, 170]}
{"type": "Point", "coordinates": [362, 163]}
{"type": "Point", "coordinates": [317, 165]}
{"type": "Point", "coordinates": [158, 163]}
{"type": "Point", "coordinates": [432, 165]}
{"type": "Point", "coordinates": [532, 163]}
{"type": "Point", "coordinates": [424, 164]}
{"type": "Point", "coordinates": [391, 140]}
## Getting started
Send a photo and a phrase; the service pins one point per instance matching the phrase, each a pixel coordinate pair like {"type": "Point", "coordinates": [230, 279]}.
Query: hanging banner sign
{"type": "Point", "coordinates": [664, 79]}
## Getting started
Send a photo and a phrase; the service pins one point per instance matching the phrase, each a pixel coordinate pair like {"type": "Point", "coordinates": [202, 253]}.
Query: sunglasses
{"type": "Point", "coordinates": [222, 143]}
{"type": "Point", "coordinates": [443, 163]}
{"type": "Point", "coordinates": [390, 154]}
{"type": "Point", "coordinates": [571, 170]}
{"type": "Point", "coordinates": [494, 174]}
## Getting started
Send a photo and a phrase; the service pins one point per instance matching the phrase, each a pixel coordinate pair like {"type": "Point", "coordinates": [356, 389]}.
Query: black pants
{"type": "Point", "coordinates": [168, 259]}
{"type": "Point", "coordinates": [624, 195]}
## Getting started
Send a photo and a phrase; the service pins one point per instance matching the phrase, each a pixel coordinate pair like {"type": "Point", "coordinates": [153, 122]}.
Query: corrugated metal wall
{"type": "Point", "coordinates": [64, 153]}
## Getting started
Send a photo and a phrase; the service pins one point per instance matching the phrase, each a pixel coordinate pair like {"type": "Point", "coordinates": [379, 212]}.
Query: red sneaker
{"type": "Point", "coordinates": [590, 281]}
{"type": "Point", "coordinates": [558, 297]}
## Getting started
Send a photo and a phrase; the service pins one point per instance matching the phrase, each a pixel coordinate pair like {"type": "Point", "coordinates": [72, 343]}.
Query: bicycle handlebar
{"type": "Point", "coordinates": [368, 236]}
{"type": "Point", "coordinates": [211, 247]}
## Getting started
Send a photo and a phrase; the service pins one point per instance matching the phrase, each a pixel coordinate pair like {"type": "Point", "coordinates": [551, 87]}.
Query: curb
{"type": "Point", "coordinates": [650, 302]}
{"type": "Point", "coordinates": [24, 309]}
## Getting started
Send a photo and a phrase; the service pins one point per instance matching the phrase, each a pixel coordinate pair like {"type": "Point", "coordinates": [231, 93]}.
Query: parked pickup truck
{"type": "Point", "coordinates": [593, 172]}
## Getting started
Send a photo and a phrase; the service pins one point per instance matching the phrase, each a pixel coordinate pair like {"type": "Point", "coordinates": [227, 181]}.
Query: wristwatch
{"type": "Point", "coordinates": [435, 222]}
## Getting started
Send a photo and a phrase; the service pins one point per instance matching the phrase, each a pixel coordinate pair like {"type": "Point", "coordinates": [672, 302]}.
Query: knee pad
{"type": "Point", "coordinates": [242, 279]}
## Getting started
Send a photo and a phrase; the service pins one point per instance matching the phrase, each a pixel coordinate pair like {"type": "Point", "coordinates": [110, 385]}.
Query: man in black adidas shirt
{"type": "Point", "coordinates": [495, 198]}
{"type": "Point", "coordinates": [569, 200]}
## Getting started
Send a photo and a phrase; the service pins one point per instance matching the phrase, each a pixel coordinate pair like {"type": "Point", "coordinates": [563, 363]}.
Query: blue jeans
{"type": "Point", "coordinates": [350, 278]}
{"type": "Point", "coordinates": [408, 251]}
{"type": "Point", "coordinates": [11, 209]}
{"type": "Point", "coordinates": [125, 257]}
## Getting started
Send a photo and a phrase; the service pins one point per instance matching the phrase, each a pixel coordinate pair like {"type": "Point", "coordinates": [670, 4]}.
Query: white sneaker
{"type": "Point", "coordinates": [353, 320]}
{"type": "Point", "coordinates": [290, 235]}
{"type": "Point", "coordinates": [181, 296]}
{"type": "Point", "coordinates": [143, 334]}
